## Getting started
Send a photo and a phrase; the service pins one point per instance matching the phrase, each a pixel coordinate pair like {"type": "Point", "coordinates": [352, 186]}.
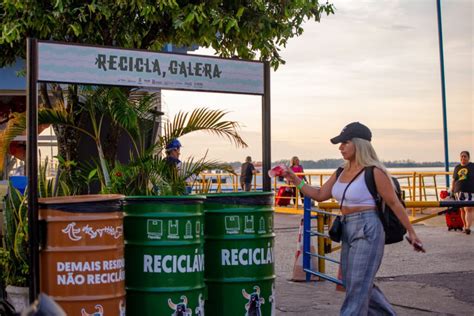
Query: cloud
{"type": "Point", "coordinates": [376, 61]}
{"type": "Point", "coordinates": [399, 27]}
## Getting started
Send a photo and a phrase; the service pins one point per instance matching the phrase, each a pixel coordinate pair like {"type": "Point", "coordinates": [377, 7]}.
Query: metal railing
{"type": "Point", "coordinates": [417, 186]}
{"type": "Point", "coordinates": [311, 213]}
{"type": "Point", "coordinates": [324, 214]}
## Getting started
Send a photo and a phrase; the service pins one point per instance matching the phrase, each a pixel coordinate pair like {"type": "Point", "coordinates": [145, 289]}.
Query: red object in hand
{"type": "Point", "coordinates": [277, 171]}
{"type": "Point", "coordinates": [443, 194]}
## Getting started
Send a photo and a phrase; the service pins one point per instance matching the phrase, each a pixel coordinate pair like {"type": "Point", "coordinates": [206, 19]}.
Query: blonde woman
{"type": "Point", "coordinates": [363, 236]}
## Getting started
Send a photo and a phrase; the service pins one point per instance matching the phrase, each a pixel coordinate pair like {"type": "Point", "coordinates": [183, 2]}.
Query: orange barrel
{"type": "Point", "coordinates": [81, 260]}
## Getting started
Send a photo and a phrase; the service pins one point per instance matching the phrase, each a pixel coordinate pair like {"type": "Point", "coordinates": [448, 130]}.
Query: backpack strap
{"type": "Point", "coordinates": [339, 171]}
{"type": "Point", "coordinates": [370, 182]}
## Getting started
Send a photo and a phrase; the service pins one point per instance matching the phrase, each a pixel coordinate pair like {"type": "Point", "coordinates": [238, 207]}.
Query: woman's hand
{"type": "Point", "coordinates": [288, 174]}
{"type": "Point", "coordinates": [415, 241]}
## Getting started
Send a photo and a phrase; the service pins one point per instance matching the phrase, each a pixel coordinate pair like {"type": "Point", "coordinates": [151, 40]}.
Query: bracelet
{"type": "Point", "coordinates": [300, 186]}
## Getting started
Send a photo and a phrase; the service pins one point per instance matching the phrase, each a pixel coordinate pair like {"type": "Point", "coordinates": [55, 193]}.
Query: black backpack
{"type": "Point", "coordinates": [394, 230]}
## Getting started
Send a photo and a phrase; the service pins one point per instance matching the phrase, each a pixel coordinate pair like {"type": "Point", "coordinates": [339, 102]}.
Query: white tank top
{"type": "Point", "coordinates": [356, 195]}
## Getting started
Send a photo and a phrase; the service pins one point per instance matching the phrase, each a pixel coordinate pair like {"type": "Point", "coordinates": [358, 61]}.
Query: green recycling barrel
{"type": "Point", "coordinates": [240, 263]}
{"type": "Point", "coordinates": [164, 255]}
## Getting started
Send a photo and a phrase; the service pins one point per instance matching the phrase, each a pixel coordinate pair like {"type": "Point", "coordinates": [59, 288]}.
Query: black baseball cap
{"type": "Point", "coordinates": [353, 130]}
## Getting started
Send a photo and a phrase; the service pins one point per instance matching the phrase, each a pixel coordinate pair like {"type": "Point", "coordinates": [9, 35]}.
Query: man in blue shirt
{"type": "Point", "coordinates": [173, 152]}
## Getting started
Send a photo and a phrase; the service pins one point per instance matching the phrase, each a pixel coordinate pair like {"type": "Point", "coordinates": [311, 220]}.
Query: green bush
{"type": "Point", "coordinates": [14, 256]}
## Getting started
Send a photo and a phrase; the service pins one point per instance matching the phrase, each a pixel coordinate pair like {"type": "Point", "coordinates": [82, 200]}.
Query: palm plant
{"type": "Point", "coordinates": [45, 185]}
{"type": "Point", "coordinates": [146, 173]}
{"type": "Point", "coordinates": [97, 104]}
{"type": "Point", "coordinates": [69, 179]}
{"type": "Point", "coordinates": [14, 254]}
{"type": "Point", "coordinates": [201, 119]}
{"type": "Point", "coordinates": [16, 125]}
{"type": "Point", "coordinates": [152, 175]}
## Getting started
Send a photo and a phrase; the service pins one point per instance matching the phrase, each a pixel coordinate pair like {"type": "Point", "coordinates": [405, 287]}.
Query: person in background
{"type": "Point", "coordinates": [463, 188]}
{"type": "Point", "coordinates": [297, 168]}
{"type": "Point", "coordinates": [246, 174]}
{"type": "Point", "coordinates": [173, 150]}
{"type": "Point", "coordinates": [363, 235]}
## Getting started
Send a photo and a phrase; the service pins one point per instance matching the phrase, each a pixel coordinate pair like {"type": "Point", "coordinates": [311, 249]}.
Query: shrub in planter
{"type": "Point", "coordinates": [14, 253]}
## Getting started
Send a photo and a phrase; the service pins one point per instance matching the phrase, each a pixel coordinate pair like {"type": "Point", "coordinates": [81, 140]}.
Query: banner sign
{"type": "Point", "coordinates": [122, 67]}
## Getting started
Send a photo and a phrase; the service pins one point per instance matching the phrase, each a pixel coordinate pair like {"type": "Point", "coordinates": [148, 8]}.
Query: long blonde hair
{"type": "Point", "coordinates": [366, 156]}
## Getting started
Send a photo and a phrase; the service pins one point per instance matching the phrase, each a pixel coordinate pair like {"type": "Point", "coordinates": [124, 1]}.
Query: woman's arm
{"type": "Point", "coordinates": [453, 181]}
{"type": "Point", "coordinates": [386, 191]}
{"type": "Point", "coordinates": [316, 193]}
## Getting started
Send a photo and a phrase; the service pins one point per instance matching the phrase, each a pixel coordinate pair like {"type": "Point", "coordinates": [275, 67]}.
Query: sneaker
{"type": "Point", "coordinates": [467, 231]}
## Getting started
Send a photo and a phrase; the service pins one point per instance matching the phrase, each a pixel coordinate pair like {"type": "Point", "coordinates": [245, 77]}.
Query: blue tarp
{"type": "Point", "coordinates": [19, 182]}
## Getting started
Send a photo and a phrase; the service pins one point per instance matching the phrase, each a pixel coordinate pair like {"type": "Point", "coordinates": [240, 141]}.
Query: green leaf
{"type": "Point", "coordinates": [189, 18]}
{"type": "Point", "coordinates": [92, 174]}
{"type": "Point", "coordinates": [230, 24]}
{"type": "Point", "coordinates": [76, 28]}
{"type": "Point", "coordinates": [240, 12]}
{"type": "Point", "coordinates": [59, 5]}
{"type": "Point", "coordinates": [91, 7]}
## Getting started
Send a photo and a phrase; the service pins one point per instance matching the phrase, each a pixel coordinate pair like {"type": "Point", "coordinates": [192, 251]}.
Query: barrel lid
{"type": "Point", "coordinates": [80, 199]}
{"type": "Point", "coordinates": [144, 198]}
{"type": "Point", "coordinates": [239, 194]}
{"type": "Point", "coordinates": [241, 198]}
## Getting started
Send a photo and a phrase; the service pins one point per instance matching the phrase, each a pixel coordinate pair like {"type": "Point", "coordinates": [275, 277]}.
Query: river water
{"type": "Point", "coordinates": [432, 184]}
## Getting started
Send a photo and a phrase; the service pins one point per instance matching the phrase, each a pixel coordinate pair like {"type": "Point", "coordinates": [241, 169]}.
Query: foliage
{"type": "Point", "coordinates": [146, 173]}
{"type": "Point", "coordinates": [15, 126]}
{"type": "Point", "coordinates": [247, 29]}
{"type": "Point", "coordinates": [103, 102]}
{"type": "Point", "coordinates": [64, 101]}
{"type": "Point", "coordinates": [45, 185]}
{"type": "Point", "coordinates": [254, 29]}
{"type": "Point", "coordinates": [153, 175]}
{"type": "Point", "coordinates": [201, 119]}
{"type": "Point", "coordinates": [170, 180]}
{"type": "Point", "coordinates": [14, 255]}
{"type": "Point", "coordinates": [69, 180]}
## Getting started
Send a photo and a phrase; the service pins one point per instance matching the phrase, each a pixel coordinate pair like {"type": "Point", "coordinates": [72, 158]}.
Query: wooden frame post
{"type": "Point", "coordinates": [32, 163]}
{"type": "Point", "coordinates": [266, 130]}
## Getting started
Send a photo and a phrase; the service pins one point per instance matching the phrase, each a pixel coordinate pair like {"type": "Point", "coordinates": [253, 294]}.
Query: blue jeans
{"type": "Point", "coordinates": [363, 240]}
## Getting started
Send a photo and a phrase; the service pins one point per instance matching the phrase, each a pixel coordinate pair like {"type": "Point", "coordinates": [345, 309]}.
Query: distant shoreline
{"type": "Point", "coordinates": [334, 163]}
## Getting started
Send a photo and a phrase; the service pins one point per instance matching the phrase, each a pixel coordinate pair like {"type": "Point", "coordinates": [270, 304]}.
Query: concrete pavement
{"type": "Point", "coordinates": [438, 282]}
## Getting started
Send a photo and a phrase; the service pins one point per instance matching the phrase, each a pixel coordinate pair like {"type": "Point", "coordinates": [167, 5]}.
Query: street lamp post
{"type": "Point", "coordinates": [443, 91]}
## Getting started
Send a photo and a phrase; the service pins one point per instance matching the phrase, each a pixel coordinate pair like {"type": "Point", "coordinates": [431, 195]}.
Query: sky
{"type": "Point", "coordinates": [373, 61]}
